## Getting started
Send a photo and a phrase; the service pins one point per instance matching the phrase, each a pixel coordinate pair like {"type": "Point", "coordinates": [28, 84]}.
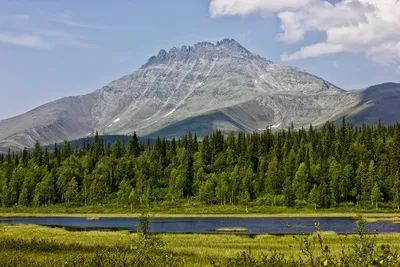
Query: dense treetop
{"type": "Point", "coordinates": [324, 167]}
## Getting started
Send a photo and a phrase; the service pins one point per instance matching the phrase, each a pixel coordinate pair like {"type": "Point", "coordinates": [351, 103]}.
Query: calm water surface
{"type": "Point", "coordinates": [206, 225]}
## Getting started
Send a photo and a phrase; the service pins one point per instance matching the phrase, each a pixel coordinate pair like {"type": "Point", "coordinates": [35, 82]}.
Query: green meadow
{"type": "Point", "coordinates": [31, 245]}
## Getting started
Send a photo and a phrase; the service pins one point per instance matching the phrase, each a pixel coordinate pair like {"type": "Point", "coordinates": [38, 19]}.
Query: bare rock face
{"type": "Point", "coordinates": [199, 89]}
{"type": "Point", "coordinates": [192, 81]}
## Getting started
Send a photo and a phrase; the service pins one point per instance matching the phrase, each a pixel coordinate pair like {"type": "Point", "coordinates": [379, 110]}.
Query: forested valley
{"type": "Point", "coordinates": [324, 167]}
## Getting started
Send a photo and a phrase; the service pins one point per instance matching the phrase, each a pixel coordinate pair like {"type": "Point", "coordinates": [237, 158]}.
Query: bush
{"type": "Point", "coordinates": [146, 240]}
{"type": "Point", "coordinates": [298, 204]}
{"type": "Point", "coordinates": [346, 204]}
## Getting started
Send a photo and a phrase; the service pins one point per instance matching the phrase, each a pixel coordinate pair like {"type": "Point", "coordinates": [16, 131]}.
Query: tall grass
{"type": "Point", "coordinates": [316, 253]}
{"type": "Point", "coordinates": [29, 245]}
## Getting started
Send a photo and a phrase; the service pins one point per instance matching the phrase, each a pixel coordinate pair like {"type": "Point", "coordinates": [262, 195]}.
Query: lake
{"type": "Point", "coordinates": [207, 225]}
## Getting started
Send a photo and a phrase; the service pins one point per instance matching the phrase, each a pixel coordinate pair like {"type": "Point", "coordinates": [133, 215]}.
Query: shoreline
{"type": "Point", "coordinates": [377, 216]}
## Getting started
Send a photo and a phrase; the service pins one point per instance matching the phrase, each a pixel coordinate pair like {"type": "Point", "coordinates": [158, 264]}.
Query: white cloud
{"type": "Point", "coordinates": [34, 41]}
{"type": "Point", "coordinates": [245, 7]}
{"type": "Point", "coordinates": [62, 38]}
{"type": "Point", "coordinates": [66, 19]}
{"type": "Point", "coordinates": [25, 30]}
{"type": "Point", "coordinates": [314, 50]}
{"type": "Point", "coordinates": [320, 16]}
{"type": "Point", "coordinates": [371, 27]}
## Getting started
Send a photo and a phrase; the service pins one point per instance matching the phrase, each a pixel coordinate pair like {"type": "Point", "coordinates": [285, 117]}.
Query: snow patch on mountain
{"type": "Point", "coordinates": [169, 113]}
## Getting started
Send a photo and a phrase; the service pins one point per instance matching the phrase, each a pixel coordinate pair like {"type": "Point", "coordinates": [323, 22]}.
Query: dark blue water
{"type": "Point", "coordinates": [207, 225]}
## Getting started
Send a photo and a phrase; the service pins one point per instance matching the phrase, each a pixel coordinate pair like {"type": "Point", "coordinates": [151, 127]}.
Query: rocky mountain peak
{"type": "Point", "coordinates": [224, 48]}
{"type": "Point", "coordinates": [232, 44]}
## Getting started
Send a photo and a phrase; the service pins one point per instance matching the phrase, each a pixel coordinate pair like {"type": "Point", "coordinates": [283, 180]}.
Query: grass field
{"type": "Point", "coordinates": [24, 244]}
{"type": "Point", "coordinates": [44, 244]}
{"type": "Point", "coordinates": [196, 210]}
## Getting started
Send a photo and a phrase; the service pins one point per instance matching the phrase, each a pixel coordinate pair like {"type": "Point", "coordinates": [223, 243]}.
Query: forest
{"type": "Point", "coordinates": [330, 166]}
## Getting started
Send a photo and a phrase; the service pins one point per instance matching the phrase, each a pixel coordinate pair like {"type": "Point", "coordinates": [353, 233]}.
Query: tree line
{"type": "Point", "coordinates": [323, 167]}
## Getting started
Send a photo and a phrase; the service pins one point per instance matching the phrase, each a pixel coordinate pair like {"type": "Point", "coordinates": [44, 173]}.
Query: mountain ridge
{"type": "Point", "coordinates": [198, 50]}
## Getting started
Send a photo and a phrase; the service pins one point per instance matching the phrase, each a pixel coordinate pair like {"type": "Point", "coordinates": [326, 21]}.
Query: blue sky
{"type": "Point", "coordinates": [51, 49]}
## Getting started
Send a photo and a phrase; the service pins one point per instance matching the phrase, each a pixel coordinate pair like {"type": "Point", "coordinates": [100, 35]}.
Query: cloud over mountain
{"type": "Point", "coordinates": [371, 27]}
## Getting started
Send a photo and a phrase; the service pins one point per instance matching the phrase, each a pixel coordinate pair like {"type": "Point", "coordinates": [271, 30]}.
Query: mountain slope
{"type": "Point", "coordinates": [376, 103]}
{"type": "Point", "coordinates": [200, 89]}
{"type": "Point", "coordinates": [65, 119]}
{"type": "Point", "coordinates": [192, 81]}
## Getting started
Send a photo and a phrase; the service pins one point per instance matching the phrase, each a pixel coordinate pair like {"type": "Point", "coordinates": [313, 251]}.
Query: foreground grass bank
{"type": "Point", "coordinates": [43, 245]}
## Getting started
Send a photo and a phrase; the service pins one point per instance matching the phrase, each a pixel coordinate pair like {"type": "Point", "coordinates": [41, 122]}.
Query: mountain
{"type": "Point", "coordinates": [201, 88]}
